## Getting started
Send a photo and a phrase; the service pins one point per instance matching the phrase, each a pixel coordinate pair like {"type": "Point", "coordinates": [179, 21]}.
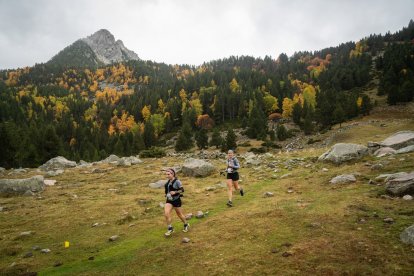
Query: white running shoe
{"type": "Point", "coordinates": [169, 232]}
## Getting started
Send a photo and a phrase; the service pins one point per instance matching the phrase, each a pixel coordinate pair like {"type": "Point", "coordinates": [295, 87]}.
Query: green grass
{"type": "Point", "coordinates": [328, 230]}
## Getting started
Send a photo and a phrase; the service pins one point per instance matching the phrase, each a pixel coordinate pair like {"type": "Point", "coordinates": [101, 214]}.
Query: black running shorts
{"type": "Point", "coordinates": [175, 203]}
{"type": "Point", "coordinates": [233, 176]}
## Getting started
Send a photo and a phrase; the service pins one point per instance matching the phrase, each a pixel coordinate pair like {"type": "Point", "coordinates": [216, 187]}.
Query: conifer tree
{"type": "Point", "coordinates": [201, 139]}
{"type": "Point", "coordinates": [231, 140]}
{"type": "Point", "coordinates": [216, 139]}
{"type": "Point", "coordinates": [119, 148]}
{"type": "Point", "coordinates": [185, 140]}
{"type": "Point", "coordinates": [149, 134]}
{"type": "Point", "coordinates": [281, 132]}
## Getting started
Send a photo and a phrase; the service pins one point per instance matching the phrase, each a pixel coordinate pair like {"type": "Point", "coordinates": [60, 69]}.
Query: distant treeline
{"type": "Point", "coordinates": [88, 113]}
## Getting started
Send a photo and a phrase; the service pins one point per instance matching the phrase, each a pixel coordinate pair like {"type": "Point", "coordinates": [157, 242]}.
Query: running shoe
{"type": "Point", "coordinates": [229, 203]}
{"type": "Point", "coordinates": [186, 227]}
{"type": "Point", "coordinates": [169, 232]}
{"type": "Point", "coordinates": [241, 192]}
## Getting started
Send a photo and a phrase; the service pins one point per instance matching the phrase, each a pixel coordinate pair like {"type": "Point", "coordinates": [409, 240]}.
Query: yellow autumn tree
{"type": "Point", "coordinates": [234, 85]}
{"type": "Point", "coordinates": [270, 103]}
{"type": "Point", "coordinates": [161, 106]}
{"type": "Point", "coordinates": [146, 112]}
{"type": "Point", "coordinates": [287, 107]}
{"type": "Point", "coordinates": [309, 94]}
{"type": "Point", "coordinates": [197, 106]}
{"type": "Point", "coordinates": [111, 130]}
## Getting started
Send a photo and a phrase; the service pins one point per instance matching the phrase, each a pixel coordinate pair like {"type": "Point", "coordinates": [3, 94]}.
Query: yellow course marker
{"type": "Point", "coordinates": [66, 244]}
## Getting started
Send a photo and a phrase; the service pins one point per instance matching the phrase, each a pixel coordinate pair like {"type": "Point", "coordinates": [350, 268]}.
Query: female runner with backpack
{"type": "Point", "coordinates": [173, 193]}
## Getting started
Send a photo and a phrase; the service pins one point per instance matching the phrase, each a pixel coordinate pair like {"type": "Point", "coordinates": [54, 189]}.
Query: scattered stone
{"type": "Point", "coordinates": [95, 224]}
{"type": "Point", "coordinates": [21, 186]}
{"type": "Point", "coordinates": [17, 171]}
{"type": "Point", "coordinates": [144, 201]}
{"type": "Point", "coordinates": [189, 216]}
{"type": "Point", "coordinates": [401, 185]}
{"type": "Point", "coordinates": [386, 197]}
{"type": "Point", "coordinates": [28, 255]}
{"type": "Point", "coordinates": [45, 250]}
{"type": "Point", "coordinates": [344, 178]}
{"type": "Point", "coordinates": [268, 194]}
{"type": "Point", "coordinates": [111, 159]}
{"type": "Point", "coordinates": [36, 248]}
{"type": "Point", "coordinates": [275, 250]}
{"type": "Point", "coordinates": [285, 175]}
{"type": "Point", "coordinates": [407, 236]}
{"type": "Point", "coordinates": [210, 188]}
{"type": "Point", "coordinates": [197, 168]}
{"type": "Point", "coordinates": [405, 150]}
{"type": "Point", "coordinates": [54, 173]}
{"type": "Point", "coordinates": [290, 190]}
{"type": "Point", "coordinates": [325, 169]}
{"type": "Point", "coordinates": [287, 254]}
{"type": "Point", "coordinates": [157, 185]}
{"type": "Point", "coordinates": [114, 238]}
{"type": "Point", "coordinates": [389, 220]}
{"type": "Point", "coordinates": [343, 152]}
{"type": "Point", "coordinates": [57, 163]}
{"type": "Point", "coordinates": [99, 170]}
{"type": "Point", "coordinates": [49, 182]}
{"type": "Point", "coordinates": [407, 197]}
{"type": "Point", "coordinates": [381, 152]}
{"type": "Point", "coordinates": [399, 140]}
{"type": "Point", "coordinates": [185, 240]}
{"type": "Point", "coordinates": [25, 234]}
{"type": "Point", "coordinates": [199, 214]}
{"type": "Point", "coordinates": [126, 218]}
{"type": "Point", "coordinates": [315, 224]}
{"type": "Point", "coordinates": [377, 167]}
{"type": "Point", "coordinates": [387, 177]}
{"type": "Point", "coordinates": [58, 263]}
{"type": "Point", "coordinates": [371, 182]}
{"type": "Point", "coordinates": [91, 258]}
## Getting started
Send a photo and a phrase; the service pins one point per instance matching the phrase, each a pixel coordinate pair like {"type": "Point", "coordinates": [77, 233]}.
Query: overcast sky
{"type": "Point", "coordinates": [193, 31]}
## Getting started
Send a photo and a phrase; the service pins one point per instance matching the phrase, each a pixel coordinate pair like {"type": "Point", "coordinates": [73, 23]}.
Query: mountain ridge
{"type": "Point", "coordinates": [97, 49]}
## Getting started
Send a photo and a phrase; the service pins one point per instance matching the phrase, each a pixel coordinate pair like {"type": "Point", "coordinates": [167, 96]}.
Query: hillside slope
{"type": "Point", "coordinates": [308, 227]}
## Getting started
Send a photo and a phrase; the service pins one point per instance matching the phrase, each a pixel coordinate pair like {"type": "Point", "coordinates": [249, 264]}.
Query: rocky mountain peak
{"type": "Point", "coordinates": [108, 50]}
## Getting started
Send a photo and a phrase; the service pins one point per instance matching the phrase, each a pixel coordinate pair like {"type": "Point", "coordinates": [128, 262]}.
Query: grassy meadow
{"type": "Point", "coordinates": [309, 227]}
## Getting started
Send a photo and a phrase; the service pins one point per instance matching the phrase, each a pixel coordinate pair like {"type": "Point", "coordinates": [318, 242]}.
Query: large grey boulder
{"type": "Point", "coordinates": [57, 163]}
{"type": "Point", "coordinates": [399, 140]}
{"type": "Point", "coordinates": [405, 150]}
{"type": "Point", "coordinates": [111, 159]}
{"type": "Point", "coordinates": [197, 168]}
{"type": "Point", "coordinates": [386, 177]}
{"type": "Point", "coordinates": [384, 152]}
{"type": "Point", "coordinates": [401, 185]}
{"type": "Point", "coordinates": [133, 160]}
{"type": "Point", "coordinates": [343, 152]}
{"type": "Point", "coordinates": [21, 186]}
{"type": "Point", "coordinates": [407, 236]}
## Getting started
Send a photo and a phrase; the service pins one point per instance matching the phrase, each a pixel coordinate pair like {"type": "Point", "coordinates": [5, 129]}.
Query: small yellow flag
{"type": "Point", "coordinates": [66, 244]}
